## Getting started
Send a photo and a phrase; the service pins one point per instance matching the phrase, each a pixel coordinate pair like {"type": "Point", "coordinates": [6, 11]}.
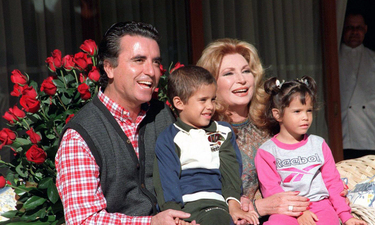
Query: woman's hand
{"type": "Point", "coordinates": [344, 193]}
{"type": "Point", "coordinates": [355, 221]}
{"type": "Point", "coordinates": [287, 203]}
{"type": "Point", "coordinates": [246, 204]}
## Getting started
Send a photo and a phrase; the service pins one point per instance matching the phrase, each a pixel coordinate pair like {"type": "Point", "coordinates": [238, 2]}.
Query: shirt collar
{"type": "Point", "coordinates": [185, 127]}
{"type": "Point", "coordinates": [346, 48]}
{"type": "Point", "coordinates": [117, 110]}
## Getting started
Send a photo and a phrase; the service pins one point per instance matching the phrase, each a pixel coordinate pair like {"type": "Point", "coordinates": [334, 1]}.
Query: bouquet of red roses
{"type": "Point", "coordinates": [36, 122]}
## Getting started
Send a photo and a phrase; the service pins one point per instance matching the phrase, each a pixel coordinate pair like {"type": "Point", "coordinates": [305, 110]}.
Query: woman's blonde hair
{"type": "Point", "coordinates": [211, 60]}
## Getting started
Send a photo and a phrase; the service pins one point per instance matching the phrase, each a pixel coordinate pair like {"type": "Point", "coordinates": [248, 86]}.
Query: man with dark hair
{"type": "Point", "coordinates": [357, 77]}
{"type": "Point", "coordinates": [105, 159]}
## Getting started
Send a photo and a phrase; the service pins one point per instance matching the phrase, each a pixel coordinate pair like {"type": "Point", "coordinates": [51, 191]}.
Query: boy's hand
{"type": "Point", "coordinates": [170, 217]}
{"type": "Point", "coordinates": [355, 221]}
{"type": "Point", "coordinates": [307, 218]}
{"type": "Point", "coordinates": [182, 222]}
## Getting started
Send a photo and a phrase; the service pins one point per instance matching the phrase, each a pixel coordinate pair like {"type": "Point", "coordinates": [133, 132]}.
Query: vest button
{"type": "Point", "coordinates": [363, 107]}
{"type": "Point", "coordinates": [128, 141]}
{"type": "Point", "coordinates": [143, 185]}
{"type": "Point", "coordinates": [350, 107]}
{"type": "Point", "coordinates": [138, 166]}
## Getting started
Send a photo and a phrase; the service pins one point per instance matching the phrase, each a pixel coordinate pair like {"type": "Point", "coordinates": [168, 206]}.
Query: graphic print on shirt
{"type": "Point", "coordinates": [215, 140]}
{"type": "Point", "coordinates": [295, 172]}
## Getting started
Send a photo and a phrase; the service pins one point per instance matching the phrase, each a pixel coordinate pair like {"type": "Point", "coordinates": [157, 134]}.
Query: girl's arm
{"type": "Point", "coordinates": [269, 178]}
{"type": "Point", "coordinates": [334, 184]}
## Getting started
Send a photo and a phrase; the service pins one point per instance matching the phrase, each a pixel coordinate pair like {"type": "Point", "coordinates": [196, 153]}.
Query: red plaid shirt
{"type": "Point", "coordinates": [78, 180]}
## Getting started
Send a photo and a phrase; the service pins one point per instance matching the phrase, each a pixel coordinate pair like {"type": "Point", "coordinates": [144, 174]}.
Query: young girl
{"type": "Point", "coordinates": [295, 161]}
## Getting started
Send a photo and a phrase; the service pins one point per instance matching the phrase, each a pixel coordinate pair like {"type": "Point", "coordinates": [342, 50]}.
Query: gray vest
{"type": "Point", "coordinates": [126, 181]}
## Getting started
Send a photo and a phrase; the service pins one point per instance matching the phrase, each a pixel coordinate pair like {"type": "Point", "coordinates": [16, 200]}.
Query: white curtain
{"type": "Point", "coordinates": [29, 32]}
{"type": "Point", "coordinates": [31, 29]}
{"type": "Point", "coordinates": [340, 19]}
{"type": "Point", "coordinates": [168, 16]}
{"type": "Point", "coordinates": [286, 33]}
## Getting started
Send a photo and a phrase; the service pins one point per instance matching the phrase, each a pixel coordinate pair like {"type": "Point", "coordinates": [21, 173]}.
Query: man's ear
{"type": "Point", "coordinates": [108, 69]}
{"type": "Point", "coordinates": [178, 104]}
{"type": "Point", "coordinates": [276, 114]}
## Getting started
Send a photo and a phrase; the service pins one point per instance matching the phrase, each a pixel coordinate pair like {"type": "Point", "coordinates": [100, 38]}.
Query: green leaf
{"type": "Point", "coordinates": [69, 78]}
{"type": "Point", "coordinates": [39, 175]}
{"type": "Point", "coordinates": [51, 136]}
{"type": "Point", "coordinates": [21, 190]}
{"type": "Point", "coordinates": [52, 193]}
{"type": "Point", "coordinates": [9, 214]}
{"type": "Point", "coordinates": [65, 100]}
{"type": "Point", "coordinates": [34, 84]}
{"type": "Point", "coordinates": [43, 184]}
{"type": "Point", "coordinates": [40, 214]}
{"type": "Point", "coordinates": [19, 170]}
{"type": "Point", "coordinates": [59, 84]}
{"type": "Point", "coordinates": [34, 202]}
{"type": "Point", "coordinates": [20, 142]}
{"type": "Point", "coordinates": [29, 223]}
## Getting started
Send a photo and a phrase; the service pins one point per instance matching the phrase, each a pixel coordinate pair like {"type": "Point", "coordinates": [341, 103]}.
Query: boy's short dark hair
{"type": "Point", "coordinates": [184, 81]}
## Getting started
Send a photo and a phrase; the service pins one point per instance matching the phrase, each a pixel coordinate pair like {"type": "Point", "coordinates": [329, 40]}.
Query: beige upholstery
{"type": "Point", "coordinates": [356, 171]}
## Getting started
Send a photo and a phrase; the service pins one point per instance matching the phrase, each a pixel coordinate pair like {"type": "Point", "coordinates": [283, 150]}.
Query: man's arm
{"type": "Point", "coordinates": [79, 187]}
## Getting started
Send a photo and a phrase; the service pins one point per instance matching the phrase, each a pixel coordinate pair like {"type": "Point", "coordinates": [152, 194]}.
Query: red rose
{"type": "Point", "coordinates": [10, 117]}
{"type": "Point", "coordinates": [68, 118]}
{"type": "Point", "coordinates": [2, 182]}
{"type": "Point", "coordinates": [68, 62]}
{"type": "Point", "coordinates": [56, 56]}
{"type": "Point", "coordinates": [30, 104]}
{"type": "Point", "coordinates": [14, 114]}
{"type": "Point", "coordinates": [17, 112]}
{"type": "Point", "coordinates": [48, 86]}
{"type": "Point", "coordinates": [178, 65]}
{"type": "Point", "coordinates": [82, 78]}
{"type": "Point", "coordinates": [50, 65]}
{"type": "Point", "coordinates": [83, 89]}
{"type": "Point", "coordinates": [81, 60]}
{"type": "Point", "coordinates": [36, 155]}
{"type": "Point", "coordinates": [29, 91]}
{"type": "Point", "coordinates": [162, 70]}
{"type": "Point", "coordinates": [34, 137]}
{"type": "Point", "coordinates": [17, 90]}
{"type": "Point", "coordinates": [89, 46]}
{"type": "Point", "coordinates": [94, 74]}
{"type": "Point", "coordinates": [18, 78]}
{"type": "Point", "coordinates": [7, 136]}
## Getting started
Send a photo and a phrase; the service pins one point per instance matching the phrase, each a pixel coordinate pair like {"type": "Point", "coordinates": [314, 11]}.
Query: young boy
{"type": "Point", "coordinates": [198, 164]}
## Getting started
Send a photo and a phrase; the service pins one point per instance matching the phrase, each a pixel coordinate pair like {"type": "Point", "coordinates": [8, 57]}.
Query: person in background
{"type": "Point", "coordinates": [106, 154]}
{"type": "Point", "coordinates": [357, 76]}
{"type": "Point", "coordinates": [241, 101]}
{"type": "Point", "coordinates": [292, 160]}
{"type": "Point", "coordinates": [198, 162]}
